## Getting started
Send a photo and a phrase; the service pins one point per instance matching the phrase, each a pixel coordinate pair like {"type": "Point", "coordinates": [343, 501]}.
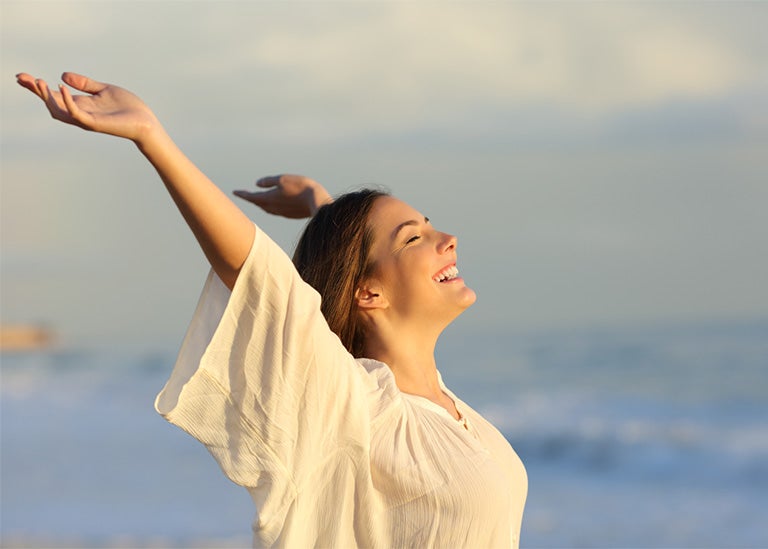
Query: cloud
{"type": "Point", "coordinates": [565, 135]}
{"type": "Point", "coordinates": [586, 56]}
{"type": "Point", "coordinates": [393, 67]}
{"type": "Point", "coordinates": [335, 69]}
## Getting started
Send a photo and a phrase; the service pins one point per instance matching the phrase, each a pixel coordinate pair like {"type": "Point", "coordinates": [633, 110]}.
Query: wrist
{"type": "Point", "coordinates": [151, 137]}
{"type": "Point", "coordinates": [319, 197]}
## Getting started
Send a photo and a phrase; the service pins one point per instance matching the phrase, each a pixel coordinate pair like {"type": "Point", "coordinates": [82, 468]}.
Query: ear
{"type": "Point", "coordinates": [370, 296]}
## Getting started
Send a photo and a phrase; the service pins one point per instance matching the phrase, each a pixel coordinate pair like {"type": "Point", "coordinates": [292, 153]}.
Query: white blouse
{"type": "Point", "coordinates": [332, 453]}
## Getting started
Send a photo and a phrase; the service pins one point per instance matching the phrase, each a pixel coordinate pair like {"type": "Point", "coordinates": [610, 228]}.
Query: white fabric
{"type": "Point", "coordinates": [332, 453]}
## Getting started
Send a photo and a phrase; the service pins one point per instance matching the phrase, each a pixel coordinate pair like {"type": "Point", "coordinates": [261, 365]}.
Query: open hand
{"type": "Point", "coordinates": [292, 196]}
{"type": "Point", "coordinates": [105, 108]}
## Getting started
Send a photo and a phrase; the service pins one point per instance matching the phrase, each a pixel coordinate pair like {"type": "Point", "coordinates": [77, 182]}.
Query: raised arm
{"type": "Point", "coordinates": [223, 231]}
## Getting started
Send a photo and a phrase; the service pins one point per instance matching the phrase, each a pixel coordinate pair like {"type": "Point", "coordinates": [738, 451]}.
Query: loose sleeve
{"type": "Point", "coordinates": [263, 382]}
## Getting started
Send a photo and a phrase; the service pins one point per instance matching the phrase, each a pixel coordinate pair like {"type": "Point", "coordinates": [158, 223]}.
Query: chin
{"type": "Point", "coordinates": [468, 298]}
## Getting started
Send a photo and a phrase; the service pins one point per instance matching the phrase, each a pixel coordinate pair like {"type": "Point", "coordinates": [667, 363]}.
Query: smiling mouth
{"type": "Point", "coordinates": [447, 274]}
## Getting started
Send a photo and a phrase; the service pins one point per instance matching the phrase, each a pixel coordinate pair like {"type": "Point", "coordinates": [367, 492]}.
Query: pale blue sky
{"type": "Point", "coordinates": [601, 163]}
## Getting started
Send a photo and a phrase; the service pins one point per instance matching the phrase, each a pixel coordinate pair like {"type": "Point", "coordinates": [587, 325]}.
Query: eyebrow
{"type": "Point", "coordinates": [405, 224]}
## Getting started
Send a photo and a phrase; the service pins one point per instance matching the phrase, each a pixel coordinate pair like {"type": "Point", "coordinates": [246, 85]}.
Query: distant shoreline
{"type": "Point", "coordinates": [24, 337]}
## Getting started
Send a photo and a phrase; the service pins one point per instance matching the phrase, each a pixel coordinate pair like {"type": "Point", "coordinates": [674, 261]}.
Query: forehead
{"type": "Point", "coordinates": [388, 213]}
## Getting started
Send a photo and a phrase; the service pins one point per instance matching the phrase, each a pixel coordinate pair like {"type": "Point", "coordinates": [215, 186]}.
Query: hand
{"type": "Point", "coordinates": [105, 109]}
{"type": "Point", "coordinates": [292, 196]}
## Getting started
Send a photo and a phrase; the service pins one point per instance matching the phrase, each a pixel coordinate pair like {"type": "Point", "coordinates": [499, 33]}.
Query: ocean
{"type": "Point", "coordinates": [643, 437]}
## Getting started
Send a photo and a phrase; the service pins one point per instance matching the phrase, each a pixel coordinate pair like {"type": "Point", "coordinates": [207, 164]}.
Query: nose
{"type": "Point", "coordinates": [447, 243]}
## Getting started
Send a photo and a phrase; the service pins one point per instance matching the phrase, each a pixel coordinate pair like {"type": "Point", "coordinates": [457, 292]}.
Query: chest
{"type": "Point", "coordinates": [421, 453]}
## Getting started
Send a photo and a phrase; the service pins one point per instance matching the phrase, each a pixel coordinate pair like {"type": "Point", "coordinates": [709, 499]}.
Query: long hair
{"type": "Point", "coordinates": [332, 257]}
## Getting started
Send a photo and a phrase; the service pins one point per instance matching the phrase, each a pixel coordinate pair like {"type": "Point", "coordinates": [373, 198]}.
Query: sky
{"type": "Point", "coordinates": [601, 163]}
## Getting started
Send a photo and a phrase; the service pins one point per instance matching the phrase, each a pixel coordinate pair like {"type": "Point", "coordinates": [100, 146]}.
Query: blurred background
{"type": "Point", "coordinates": [603, 164]}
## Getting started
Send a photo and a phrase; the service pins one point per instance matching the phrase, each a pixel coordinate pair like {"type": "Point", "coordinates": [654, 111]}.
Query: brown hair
{"type": "Point", "coordinates": [332, 257]}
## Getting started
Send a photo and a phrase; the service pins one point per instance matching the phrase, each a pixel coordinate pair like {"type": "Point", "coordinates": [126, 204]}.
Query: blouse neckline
{"type": "Point", "coordinates": [424, 402]}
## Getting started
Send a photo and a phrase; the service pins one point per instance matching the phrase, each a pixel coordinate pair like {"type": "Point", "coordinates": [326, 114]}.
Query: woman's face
{"type": "Point", "coordinates": [415, 264]}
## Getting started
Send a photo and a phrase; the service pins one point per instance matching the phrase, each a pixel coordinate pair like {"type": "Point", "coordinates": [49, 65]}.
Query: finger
{"type": "Point", "coordinates": [82, 83]}
{"type": "Point", "coordinates": [54, 107]}
{"type": "Point", "coordinates": [263, 200]}
{"type": "Point", "coordinates": [269, 181]}
{"type": "Point", "coordinates": [47, 97]}
{"type": "Point", "coordinates": [69, 102]}
{"type": "Point", "coordinates": [42, 88]}
{"type": "Point", "coordinates": [27, 81]}
{"type": "Point", "coordinates": [247, 195]}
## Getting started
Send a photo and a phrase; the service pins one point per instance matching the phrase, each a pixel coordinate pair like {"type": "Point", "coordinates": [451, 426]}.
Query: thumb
{"type": "Point", "coordinates": [269, 181]}
{"type": "Point", "coordinates": [82, 83]}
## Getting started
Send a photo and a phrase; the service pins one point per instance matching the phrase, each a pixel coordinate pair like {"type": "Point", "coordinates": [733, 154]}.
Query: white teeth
{"type": "Point", "coordinates": [447, 274]}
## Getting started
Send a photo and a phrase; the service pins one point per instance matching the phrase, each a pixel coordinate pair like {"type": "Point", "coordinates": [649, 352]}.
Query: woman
{"type": "Point", "coordinates": [319, 393]}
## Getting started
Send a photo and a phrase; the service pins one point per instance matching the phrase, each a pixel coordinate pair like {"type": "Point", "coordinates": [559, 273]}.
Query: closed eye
{"type": "Point", "coordinates": [403, 225]}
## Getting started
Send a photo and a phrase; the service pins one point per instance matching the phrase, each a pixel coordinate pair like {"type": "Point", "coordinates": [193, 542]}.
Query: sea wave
{"type": "Point", "coordinates": [638, 440]}
{"type": "Point", "coordinates": [665, 433]}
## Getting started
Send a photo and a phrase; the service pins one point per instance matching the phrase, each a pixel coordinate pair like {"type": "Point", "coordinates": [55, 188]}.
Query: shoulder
{"type": "Point", "coordinates": [378, 374]}
{"type": "Point", "coordinates": [383, 393]}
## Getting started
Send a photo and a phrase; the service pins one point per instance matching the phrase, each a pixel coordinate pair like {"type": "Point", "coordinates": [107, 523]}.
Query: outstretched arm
{"type": "Point", "coordinates": [292, 196]}
{"type": "Point", "coordinates": [223, 231]}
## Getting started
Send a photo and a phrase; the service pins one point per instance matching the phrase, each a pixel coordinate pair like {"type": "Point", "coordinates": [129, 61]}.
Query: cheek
{"type": "Point", "coordinates": [405, 276]}
{"type": "Point", "coordinates": [390, 270]}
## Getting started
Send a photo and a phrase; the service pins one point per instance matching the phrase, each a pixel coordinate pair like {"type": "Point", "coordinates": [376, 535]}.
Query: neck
{"type": "Point", "coordinates": [410, 354]}
{"type": "Point", "coordinates": [411, 357]}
